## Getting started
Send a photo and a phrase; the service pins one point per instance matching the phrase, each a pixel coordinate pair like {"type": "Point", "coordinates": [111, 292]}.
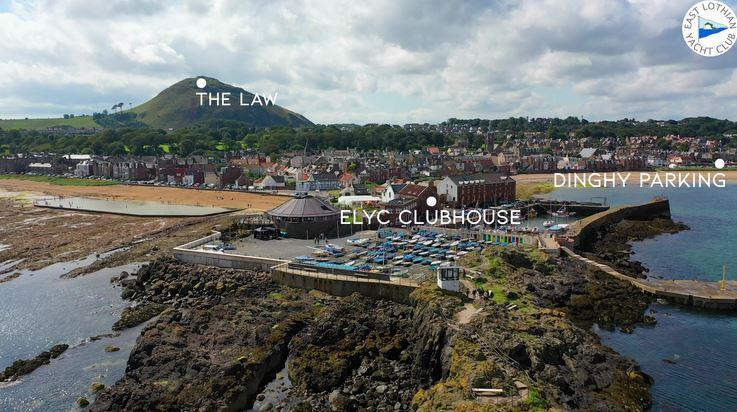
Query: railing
{"type": "Point", "coordinates": [343, 274]}
{"type": "Point", "coordinates": [201, 241]}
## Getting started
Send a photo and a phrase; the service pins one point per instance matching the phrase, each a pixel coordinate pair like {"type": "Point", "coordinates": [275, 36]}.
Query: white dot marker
{"type": "Point", "coordinates": [672, 166]}
{"type": "Point", "coordinates": [432, 201]}
{"type": "Point", "coordinates": [719, 163]}
{"type": "Point", "coordinates": [201, 83]}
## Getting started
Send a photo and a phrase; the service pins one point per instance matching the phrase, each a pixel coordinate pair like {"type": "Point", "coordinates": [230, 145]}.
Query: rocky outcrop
{"type": "Point", "coordinates": [588, 295]}
{"type": "Point", "coordinates": [135, 315]}
{"type": "Point", "coordinates": [368, 354]}
{"type": "Point", "coordinates": [26, 366]}
{"type": "Point", "coordinates": [568, 365]}
{"type": "Point", "coordinates": [539, 359]}
{"type": "Point", "coordinates": [531, 339]}
{"type": "Point", "coordinates": [223, 334]}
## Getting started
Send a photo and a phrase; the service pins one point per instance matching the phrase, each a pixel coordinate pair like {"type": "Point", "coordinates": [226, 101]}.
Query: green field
{"type": "Point", "coordinates": [59, 181]}
{"type": "Point", "coordinates": [39, 124]}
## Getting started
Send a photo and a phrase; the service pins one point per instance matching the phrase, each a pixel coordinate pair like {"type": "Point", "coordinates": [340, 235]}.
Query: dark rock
{"type": "Point", "coordinates": [26, 366]}
{"type": "Point", "coordinates": [134, 316]}
{"type": "Point", "coordinates": [649, 320]}
{"type": "Point", "coordinates": [207, 336]}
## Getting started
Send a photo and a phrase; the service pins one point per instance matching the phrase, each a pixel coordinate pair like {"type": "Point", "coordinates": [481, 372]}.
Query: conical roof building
{"type": "Point", "coordinates": [306, 217]}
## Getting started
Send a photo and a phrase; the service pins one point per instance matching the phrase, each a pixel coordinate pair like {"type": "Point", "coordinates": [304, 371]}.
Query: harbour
{"type": "Point", "coordinates": [690, 352]}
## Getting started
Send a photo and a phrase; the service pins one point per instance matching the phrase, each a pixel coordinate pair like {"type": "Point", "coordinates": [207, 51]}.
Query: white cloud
{"type": "Point", "coordinates": [329, 60]}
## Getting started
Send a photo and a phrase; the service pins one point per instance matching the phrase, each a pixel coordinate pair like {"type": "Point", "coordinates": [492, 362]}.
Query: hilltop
{"type": "Point", "coordinates": [176, 107]}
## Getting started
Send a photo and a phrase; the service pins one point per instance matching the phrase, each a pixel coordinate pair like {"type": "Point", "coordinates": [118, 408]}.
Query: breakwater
{"type": "Point", "coordinates": [582, 233]}
{"type": "Point", "coordinates": [698, 294]}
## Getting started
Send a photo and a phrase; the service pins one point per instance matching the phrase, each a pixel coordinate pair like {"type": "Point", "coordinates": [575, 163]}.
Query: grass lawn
{"type": "Point", "coordinates": [526, 190]}
{"type": "Point", "coordinates": [37, 124]}
{"type": "Point", "coordinates": [59, 181]}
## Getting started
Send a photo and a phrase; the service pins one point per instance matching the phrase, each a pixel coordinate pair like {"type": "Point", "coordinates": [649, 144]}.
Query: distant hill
{"type": "Point", "coordinates": [178, 106]}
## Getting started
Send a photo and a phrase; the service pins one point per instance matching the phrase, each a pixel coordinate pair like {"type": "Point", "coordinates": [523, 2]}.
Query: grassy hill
{"type": "Point", "coordinates": [178, 106]}
{"type": "Point", "coordinates": [39, 124]}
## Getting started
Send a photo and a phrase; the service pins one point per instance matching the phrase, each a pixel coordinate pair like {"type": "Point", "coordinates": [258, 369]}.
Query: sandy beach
{"type": "Point", "coordinates": [236, 200]}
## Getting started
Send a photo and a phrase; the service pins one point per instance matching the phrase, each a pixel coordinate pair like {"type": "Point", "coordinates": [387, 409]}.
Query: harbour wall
{"type": "Point", "coordinates": [185, 253]}
{"type": "Point", "coordinates": [342, 286]}
{"type": "Point", "coordinates": [331, 281]}
{"type": "Point", "coordinates": [583, 233]}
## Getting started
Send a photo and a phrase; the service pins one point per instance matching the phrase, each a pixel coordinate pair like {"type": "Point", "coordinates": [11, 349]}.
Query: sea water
{"type": "Point", "coordinates": [40, 309]}
{"type": "Point", "coordinates": [691, 354]}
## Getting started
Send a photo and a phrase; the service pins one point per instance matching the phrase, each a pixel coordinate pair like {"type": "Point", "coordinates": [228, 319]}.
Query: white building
{"type": "Point", "coordinates": [449, 278]}
{"type": "Point", "coordinates": [271, 182]}
{"type": "Point", "coordinates": [83, 169]}
{"type": "Point", "coordinates": [391, 192]}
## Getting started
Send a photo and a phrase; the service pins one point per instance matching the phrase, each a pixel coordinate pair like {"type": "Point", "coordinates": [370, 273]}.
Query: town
{"type": "Point", "coordinates": [470, 153]}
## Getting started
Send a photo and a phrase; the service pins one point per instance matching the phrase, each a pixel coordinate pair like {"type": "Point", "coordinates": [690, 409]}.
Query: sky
{"type": "Point", "coordinates": [382, 61]}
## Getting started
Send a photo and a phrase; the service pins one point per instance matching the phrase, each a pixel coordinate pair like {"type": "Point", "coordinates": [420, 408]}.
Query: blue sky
{"type": "Point", "coordinates": [384, 61]}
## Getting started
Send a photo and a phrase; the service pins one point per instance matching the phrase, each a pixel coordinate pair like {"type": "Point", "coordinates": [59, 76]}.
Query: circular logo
{"type": "Point", "coordinates": [709, 28]}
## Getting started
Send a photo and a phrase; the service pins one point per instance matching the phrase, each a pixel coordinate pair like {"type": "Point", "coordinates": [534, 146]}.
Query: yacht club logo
{"type": "Point", "coordinates": [709, 28]}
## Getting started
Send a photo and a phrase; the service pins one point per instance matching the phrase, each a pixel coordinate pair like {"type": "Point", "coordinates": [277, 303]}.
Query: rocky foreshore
{"type": "Point", "coordinates": [225, 333]}
{"type": "Point", "coordinates": [533, 336]}
{"type": "Point", "coordinates": [222, 335]}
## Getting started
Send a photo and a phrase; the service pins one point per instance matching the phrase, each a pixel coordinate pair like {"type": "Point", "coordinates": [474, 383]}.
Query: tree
{"type": "Point", "coordinates": [186, 147]}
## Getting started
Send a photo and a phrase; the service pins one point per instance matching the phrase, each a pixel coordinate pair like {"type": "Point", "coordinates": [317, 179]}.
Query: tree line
{"type": "Point", "coordinates": [220, 136]}
{"type": "Point", "coordinates": [126, 136]}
